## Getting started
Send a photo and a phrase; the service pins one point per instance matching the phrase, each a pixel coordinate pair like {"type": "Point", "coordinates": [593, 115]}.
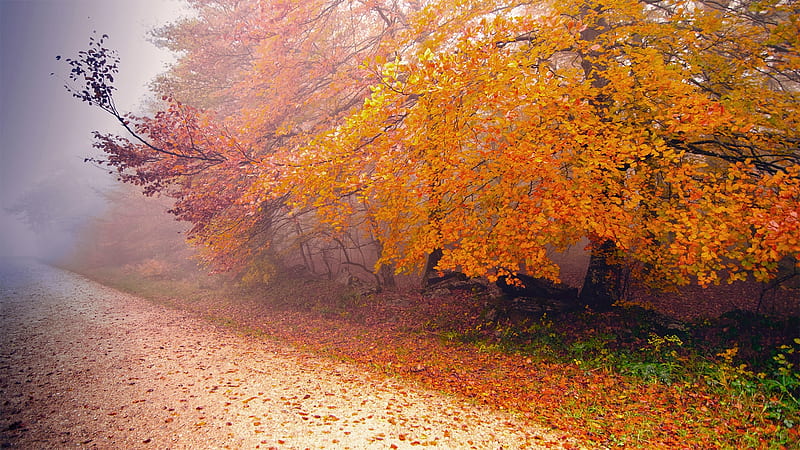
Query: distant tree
{"type": "Point", "coordinates": [134, 231]}
{"type": "Point", "coordinates": [58, 203]}
{"type": "Point", "coordinates": [55, 208]}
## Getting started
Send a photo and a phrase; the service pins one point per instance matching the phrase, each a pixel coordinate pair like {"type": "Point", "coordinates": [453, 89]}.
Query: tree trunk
{"type": "Point", "coordinates": [387, 275]}
{"type": "Point", "coordinates": [603, 280]}
{"type": "Point", "coordinates": [429, 273]}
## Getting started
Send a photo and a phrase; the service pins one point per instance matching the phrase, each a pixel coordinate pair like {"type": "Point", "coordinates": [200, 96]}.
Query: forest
{"type": "Point", "coordinates": [625, 172]}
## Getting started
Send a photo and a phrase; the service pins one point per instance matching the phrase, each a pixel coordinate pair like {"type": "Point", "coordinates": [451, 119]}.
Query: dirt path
{"type": "Point", "coordinates": [82, 365]}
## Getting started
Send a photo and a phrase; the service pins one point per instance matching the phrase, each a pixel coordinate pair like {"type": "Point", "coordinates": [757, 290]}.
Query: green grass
{"type": "Point", "coordinates": [737, 366]}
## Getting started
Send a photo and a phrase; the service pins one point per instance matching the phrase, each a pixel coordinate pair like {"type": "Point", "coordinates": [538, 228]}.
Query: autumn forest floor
{"type": "Point", "coordinates": [679, 373]}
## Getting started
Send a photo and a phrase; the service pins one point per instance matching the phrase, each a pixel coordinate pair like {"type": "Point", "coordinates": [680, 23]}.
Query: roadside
{"type": "Point", "coordinates": [629, 378]}
{"type": "Point", "coordinates": [83, 365]}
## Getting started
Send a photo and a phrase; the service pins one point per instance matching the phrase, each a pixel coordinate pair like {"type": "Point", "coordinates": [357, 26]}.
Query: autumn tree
{"type": "Point", "coordinates": [494, 132]}
{"type": "Point", "coordinates": [665, 131]}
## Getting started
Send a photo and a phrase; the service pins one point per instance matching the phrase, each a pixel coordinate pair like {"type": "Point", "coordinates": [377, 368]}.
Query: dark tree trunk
{"type": "Point", "coordinates": [603, 280]}
{"type": "Point", "coordinates": [429, 274]}
{"type": "Point", "coordinates": [387, 276]}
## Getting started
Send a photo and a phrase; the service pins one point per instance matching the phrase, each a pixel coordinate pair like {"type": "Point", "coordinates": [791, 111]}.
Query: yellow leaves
{"type": "Point", "coordinates": [426, 56]}
{"type": "Point", "coordinates": [497, 131]}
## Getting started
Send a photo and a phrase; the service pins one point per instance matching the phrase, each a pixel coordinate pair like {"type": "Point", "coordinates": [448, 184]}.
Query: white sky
{"type": "Point", "coordinates": [44, 132]}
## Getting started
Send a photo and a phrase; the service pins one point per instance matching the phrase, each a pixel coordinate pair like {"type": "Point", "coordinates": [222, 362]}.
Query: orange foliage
{"type": "Point", "coordinates": [494, 130]}
{"type": "Point", "coordinates": [503, 131]}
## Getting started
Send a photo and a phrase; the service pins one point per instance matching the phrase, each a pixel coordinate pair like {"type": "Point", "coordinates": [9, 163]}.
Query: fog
{"type": "Point", "coordinates": [47, 191]}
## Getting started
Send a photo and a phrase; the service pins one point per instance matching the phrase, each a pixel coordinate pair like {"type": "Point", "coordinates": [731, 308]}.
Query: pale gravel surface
{"type": "Point", "coordinates": [83, 365]}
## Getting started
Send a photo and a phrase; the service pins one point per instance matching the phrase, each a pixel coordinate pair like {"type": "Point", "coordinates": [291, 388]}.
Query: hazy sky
{"type": "Point", "coordinates": [45, 133]}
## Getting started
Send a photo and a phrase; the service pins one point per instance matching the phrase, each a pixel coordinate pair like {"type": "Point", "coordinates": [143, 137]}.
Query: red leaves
{"type": "Point", "coordinates": [587, 405]}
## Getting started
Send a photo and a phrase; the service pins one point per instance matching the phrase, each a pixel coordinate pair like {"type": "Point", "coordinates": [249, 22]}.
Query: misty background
{"type": "Point", "coordinates": [47, 191]}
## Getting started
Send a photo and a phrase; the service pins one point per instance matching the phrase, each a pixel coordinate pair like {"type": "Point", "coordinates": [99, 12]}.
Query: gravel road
{"type": "Point", "coordinates": [83, 365]}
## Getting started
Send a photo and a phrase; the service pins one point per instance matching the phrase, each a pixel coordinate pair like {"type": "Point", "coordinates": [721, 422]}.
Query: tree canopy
{"type": "Point", "coordinates": [494, 131]}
